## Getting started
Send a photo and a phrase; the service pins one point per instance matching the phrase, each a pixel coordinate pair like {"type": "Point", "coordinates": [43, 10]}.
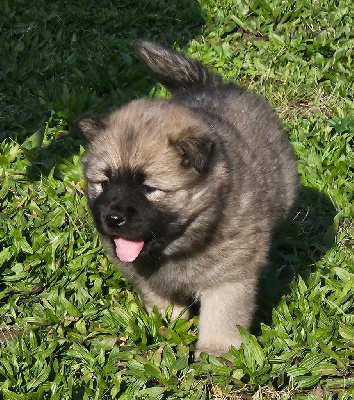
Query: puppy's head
{"type": "Point", "coordinates": [147, 169]}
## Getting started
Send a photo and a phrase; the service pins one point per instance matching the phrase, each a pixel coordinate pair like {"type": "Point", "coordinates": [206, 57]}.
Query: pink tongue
{"type": "Point", "coordinates": [127, 250]}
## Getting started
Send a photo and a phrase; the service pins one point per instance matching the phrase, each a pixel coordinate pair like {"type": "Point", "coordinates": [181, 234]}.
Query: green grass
{"type": "Point", "coordinates": [70, 326]}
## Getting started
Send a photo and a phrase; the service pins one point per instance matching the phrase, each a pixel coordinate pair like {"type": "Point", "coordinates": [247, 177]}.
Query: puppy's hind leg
{"type": "Point", "coordinates": [221, 309]}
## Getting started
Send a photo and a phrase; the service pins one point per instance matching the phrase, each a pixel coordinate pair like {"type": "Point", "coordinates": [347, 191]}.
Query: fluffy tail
{"type": "Point", "coordinates": [175, 71]}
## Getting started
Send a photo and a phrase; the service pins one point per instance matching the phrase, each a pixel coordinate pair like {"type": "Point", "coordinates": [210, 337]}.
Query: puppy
{"type": "Point", "coordinates": [187, 193]}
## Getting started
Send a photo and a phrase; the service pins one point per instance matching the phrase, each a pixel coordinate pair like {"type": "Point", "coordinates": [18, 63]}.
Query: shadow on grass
{"type": "Point", "coordinates": [308, 236]}
{"type": "Point", "coordinates": [67, 58]}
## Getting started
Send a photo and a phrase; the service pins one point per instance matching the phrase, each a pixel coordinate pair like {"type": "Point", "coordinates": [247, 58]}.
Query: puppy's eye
{"type": "Point", "coordinates": [148, 189]}
{"type": "Point", "coordinates": [104, 184]}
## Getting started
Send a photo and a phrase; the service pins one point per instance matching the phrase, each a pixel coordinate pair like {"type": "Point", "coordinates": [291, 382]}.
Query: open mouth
{"type": "Point", "coordinates": [127, 250]}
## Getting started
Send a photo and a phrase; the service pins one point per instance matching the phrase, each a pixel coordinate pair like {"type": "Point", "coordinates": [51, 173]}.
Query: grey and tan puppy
{"type": "Point", "coordinates": [187, 192]}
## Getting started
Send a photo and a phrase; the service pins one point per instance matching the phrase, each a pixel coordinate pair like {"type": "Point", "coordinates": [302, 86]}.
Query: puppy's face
{"type": "Point", "coordinates": [146, 170]}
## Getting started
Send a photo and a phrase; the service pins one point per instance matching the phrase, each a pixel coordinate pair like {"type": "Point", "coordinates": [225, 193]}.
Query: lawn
{"type": "Point", "coordinates": [70, 326]}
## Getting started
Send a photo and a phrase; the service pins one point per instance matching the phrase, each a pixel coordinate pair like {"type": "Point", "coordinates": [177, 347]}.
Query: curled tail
{"type": "Point", "coordinates": [175, 71]}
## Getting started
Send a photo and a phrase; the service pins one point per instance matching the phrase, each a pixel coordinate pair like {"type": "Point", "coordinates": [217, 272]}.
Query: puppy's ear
{"type": "Point", "coordinates": [90, 126]}
{"type": "Point", "coordinates": [196, 152]}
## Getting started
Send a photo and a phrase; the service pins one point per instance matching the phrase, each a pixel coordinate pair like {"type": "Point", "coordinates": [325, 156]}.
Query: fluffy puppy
{"type": "Point", "coordinates": [187, 193]}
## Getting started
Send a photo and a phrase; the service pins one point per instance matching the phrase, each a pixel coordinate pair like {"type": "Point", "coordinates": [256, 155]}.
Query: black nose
{"type": "Point", "coordinates": [115, 220]}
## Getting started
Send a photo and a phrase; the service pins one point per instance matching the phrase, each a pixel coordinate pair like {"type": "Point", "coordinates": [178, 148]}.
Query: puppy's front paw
{"type": "Point", "coordinates": [216, 347]}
